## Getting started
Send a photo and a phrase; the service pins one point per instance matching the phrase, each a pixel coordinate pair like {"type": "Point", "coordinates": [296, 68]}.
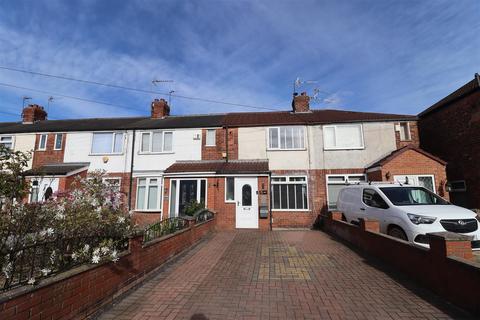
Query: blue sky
{"type": "Point", "coordinates": [381, 56]}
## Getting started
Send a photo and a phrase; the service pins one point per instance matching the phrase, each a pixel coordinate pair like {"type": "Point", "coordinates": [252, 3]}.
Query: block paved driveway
{"type": "Point", "coordinates": [278, 275]}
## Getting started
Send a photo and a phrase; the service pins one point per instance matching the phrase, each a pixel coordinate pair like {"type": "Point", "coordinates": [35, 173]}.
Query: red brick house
{"type": "Point", "coordinates": [450, 129]}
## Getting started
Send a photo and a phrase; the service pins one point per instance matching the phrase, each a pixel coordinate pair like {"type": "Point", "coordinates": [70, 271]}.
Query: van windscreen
{"type": "Point", "coordinates": [412, 196]}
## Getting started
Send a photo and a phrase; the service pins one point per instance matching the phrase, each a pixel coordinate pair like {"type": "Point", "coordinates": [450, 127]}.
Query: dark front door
{"type": "Point", "coordinates": [188, 193]}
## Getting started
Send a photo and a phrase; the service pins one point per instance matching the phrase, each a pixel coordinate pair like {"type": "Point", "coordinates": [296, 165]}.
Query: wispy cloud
{"type": "Point", "coordinates": [388, 56]}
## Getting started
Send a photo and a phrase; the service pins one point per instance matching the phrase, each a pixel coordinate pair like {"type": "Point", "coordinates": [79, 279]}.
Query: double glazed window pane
{"type": "Point", "coordinates": [289, 195]}
{"type": "Point", "coordinates": [286, 138]}
{"type": "Point", "coordinates": [230, 186]}
{"type": "Point", "coordinates": [210, 137]}
{"type": "Point", "coordinates": [7, 141]}
{"type": "Point", "coordinates": [148, 194]}
{"type": "Point", "coordinates": [58, 141]}
{"type": "Point", "coordinates": [145, 142]}
{"type": "Point", "coordinates": [168, 141]}
{"type": "Point", "coordinates": [273, 138]}
{"type": "Point", "coordinates": [343, 137]}
{"type": "Point", "coordinates": [107, 142]}
{"type": "Point", "coordinates": [157, 142]}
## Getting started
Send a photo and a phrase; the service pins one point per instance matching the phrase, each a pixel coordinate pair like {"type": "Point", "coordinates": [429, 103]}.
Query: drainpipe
{"type": "Point", "coordinates": [130, 187]}
{"type": "Point", "coordinates": [226, 143]}
{"type": "Point", "coordinates": [270, 199]}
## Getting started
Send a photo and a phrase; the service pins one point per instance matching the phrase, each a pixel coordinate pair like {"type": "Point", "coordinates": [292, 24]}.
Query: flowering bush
{"type": "Point", "coordinates": [88, 223]}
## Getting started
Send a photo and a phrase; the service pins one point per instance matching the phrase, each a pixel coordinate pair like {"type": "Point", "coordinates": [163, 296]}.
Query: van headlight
{"type": "Point", "coordinates": [417, 219]}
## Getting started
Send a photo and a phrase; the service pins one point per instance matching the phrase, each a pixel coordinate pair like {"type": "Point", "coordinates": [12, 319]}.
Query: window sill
{"type": "Point", "coordinates": [230, 201]}
{"type": "Point", "coordinates": [297, 149]}
{"type": "Point", "coordinates": [148, 211]}
{"type": "Point", "coordinates": [106, 154]}
{"type": "Point", "coordinates": [154, 153]}
{"type": "Point", "coordinates": [210, 145]}
{"type": "Point", "coordinates": [344, 149]}
{"type": "Point", "coordinates": [291, 210]}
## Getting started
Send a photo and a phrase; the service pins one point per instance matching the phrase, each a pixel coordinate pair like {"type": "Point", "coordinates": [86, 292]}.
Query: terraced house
{"type": "Point", "coordinates": [255, 169]}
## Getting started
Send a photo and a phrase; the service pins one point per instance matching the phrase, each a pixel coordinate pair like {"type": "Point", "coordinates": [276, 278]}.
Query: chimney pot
{"type": "Point", "coordinates": [33, 113]}
{"type": "Point", "coordinates": [160, 109]}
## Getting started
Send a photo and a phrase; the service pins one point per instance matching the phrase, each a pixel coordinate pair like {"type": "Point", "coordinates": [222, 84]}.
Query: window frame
{"type": "Point", "coordinates": [113, 133]}
{"type": "Point", "coordinates": [12, 141]}
{"type": "Point", "coordinates": [39, 147]}
{"type": "Point", "coordinates": [147, 193]}
{"type": "Point", "coordinates": [177, 195]}
{"type": "Point", "coordinates": [214, 137]}
{"type": "Point", "coordinates": [287, 182]}
{"type": "Point", "coordinates": [150, 142]}
{"type": "Point", "coordinates": [119, 179]}
{"type": "Point", "coordinates": [464, 189]}
{"type": "Point", "coordinates": [335, 126]}
{"type": "Point", "coordinates": [279, 148]}
{"type": "Point", "coordinates": [409, 134]}
{"type": "Point", "coordinates": [37, 188]}
{"type": "Point", "coordinates": [55, 142]}
{"type": "Point", "coordinates": [345, 182]}
{"type": "Point", "coordinates": [226, 184]}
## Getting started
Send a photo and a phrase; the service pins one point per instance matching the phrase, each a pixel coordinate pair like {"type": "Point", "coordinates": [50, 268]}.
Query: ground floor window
{"type": "Point", "coordinates": [114, 182]}
{"type": "Point", "coordinates": [336, 182]}
{"type": "Point", "coordinates": [426, 181]}
{"type": "Point", "coordinates": [148, 194]}
{"type": "Point", "coordinates": [289, 193]}
{"type": "Point", "coordinates": [34, 193]}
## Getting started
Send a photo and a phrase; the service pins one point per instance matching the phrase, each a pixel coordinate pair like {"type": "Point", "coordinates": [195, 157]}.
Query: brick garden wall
{"type": "Point", "coordinates": [447, 268]}
{"type": "Point", "coordinates": [80, 292]}
{"type": "Point", "coordinates": [452, 133]}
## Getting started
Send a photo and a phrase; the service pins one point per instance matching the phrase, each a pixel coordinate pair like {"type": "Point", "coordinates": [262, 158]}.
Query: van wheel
{"type": "Point", "coordinates": [397, 232]}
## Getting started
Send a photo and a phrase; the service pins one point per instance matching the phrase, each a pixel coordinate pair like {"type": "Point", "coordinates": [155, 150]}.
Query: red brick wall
{"type": "Point", "coordinates": [49, 155]}
{"type": "Point", "coordinates": [412, 162]}
{"type": "Point", "coordinates": [443, 269]}
{"type": "Point", "coordinates": [414, 136]}
{"type": "Point", "coordinates": [453, 134]}
{"type": "Point", "coordinates": [80, 292]}
{"type": "Point", "coordinates": [215, 152]}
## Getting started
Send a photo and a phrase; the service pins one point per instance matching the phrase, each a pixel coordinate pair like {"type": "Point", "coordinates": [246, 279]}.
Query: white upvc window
{"type": "Point", "coordinates": [42, 142]}
{"type": "Point", "coordinates": [157, 142]}
{"type": "Point", "coordinates": [7, 141]}
{"type": "Point", "coordinates": [34, 192]}
{"type": "Point", "coordinates": [404, 130]}
{"type": "Point", "coordinates": [343, 137]}
{"type": "Point", "coordinates": [289, 193]}
{"type": "Point", "coordinates": [149, 194]}
{"type": "Point", "coordinates": [336, 182]}
{"type": "Point", "coordinates": [58, 141]}
{"type": "Point", "coordinates": [286, 138]}
{"type": "Point", "coordinates": [114, 182]}
{"type": "Point", "coordinates": [229, 189]}
{"type": "Point", "coordinates": [107, 143]}
{"type": "Point", "coordinates": [210, 140]}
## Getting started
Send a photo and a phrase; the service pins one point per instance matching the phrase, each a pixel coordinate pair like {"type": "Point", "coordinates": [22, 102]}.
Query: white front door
{"type": "Point", "coordinates": [246, 200]}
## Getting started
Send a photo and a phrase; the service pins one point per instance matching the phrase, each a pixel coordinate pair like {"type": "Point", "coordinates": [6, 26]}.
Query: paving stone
{"type": "Point", "coordinates": [278, 275]}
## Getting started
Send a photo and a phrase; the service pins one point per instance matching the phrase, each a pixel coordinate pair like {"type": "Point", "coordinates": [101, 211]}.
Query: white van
{"type": "Point", "coordinates": [407, 212]}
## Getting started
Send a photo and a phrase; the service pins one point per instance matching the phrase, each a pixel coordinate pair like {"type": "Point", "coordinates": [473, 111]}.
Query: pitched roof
{"type": "Point", "coordinates": [466, 89]}
{"type": "Point", "coordinates": [219, 166]}
{"type": "Point", "coordinates": [381, 162]}
{"type": "Point", "coordinates": [202, 121]}
{"type": "Point", "coordinates": [246, 119]}
{"type": "Point", "coordinates": [57, 169]}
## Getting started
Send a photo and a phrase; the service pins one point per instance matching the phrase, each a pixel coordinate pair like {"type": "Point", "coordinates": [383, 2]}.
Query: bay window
{"type": "Point", "coordinates": [337, 182]}
{"type": "Point", "coordinates": [148, 194]}
{"type": "Point", "coordinates": [107, 143]}
{"type": "Point", "coordinates": [289, 193]}
{"type": "Point", "coordinates": [286, 138]}
{"type": "Point", "coordinates": [157, 142]}
{"type": "Point", "coordinates": [345, 136]}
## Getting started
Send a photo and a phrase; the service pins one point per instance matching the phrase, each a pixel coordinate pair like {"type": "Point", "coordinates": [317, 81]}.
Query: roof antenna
{"type": "Point", "coordinates": [50, 100]}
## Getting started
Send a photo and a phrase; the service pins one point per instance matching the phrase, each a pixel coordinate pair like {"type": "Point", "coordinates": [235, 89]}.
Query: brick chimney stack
{"type": "Point", "coordinates": [160, 109]}
{"type": "Point", "coordinates": [301, 103]}
{"type": "Point", "coordinates": [33, 113]}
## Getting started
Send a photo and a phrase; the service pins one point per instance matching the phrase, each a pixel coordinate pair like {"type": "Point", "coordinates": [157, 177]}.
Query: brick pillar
{"type": "Point", "coordinates": [445, 244]}
{"type": "Point", "coordinates": [369, 225]}
{"type": "Point", "coordinates": [135, 246]}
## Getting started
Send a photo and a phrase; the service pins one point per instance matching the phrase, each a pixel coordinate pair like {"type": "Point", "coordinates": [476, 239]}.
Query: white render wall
{"type": "Point", "coordinates": [185, 147]}
{"type": "Point", "coordinates": [24, 142]}
{"type": "Point", "coordinates": [379, 140]}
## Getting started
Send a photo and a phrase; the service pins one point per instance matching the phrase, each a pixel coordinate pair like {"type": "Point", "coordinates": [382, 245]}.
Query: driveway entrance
{"type": "Point", "coordinates": [249, 274]}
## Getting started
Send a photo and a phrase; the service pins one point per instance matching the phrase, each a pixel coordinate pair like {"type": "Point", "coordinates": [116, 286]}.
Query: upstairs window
{"type": "Point", "coordinates": [157, 142]}
{"type": "Point", "coordinates": [107, 143]}
{"type": "Point", "coordinates": [210, 138]}
{"type": "Point", "coordinates": [58, 141]}
{"type": "Point", "coordinates": [404, 129]}
{"type": "Point", "coordinates": [42, 143]}
{"type": "Point", "coordinates": [286, 138]}
{"type": "Point", "coordinates": [338, 137]}
{"type": "Point", "coordinates": [7, 141]}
